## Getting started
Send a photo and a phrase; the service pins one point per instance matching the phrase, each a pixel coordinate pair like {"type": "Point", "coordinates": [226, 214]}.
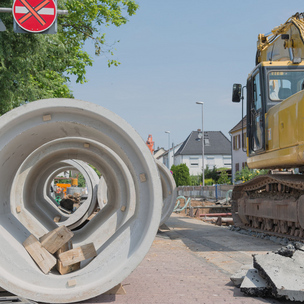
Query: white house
{"type": "Point", "coordinates": [239, 154]}
{"type": "Point", "coordinates": [217, 151]}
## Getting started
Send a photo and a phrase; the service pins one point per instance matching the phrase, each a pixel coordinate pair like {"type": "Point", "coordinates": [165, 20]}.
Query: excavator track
{"type": "Point", "coordinates": [272, 203]}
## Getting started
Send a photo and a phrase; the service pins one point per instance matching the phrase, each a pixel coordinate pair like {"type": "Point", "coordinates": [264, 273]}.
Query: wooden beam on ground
{"type": "Point", "coordinates": [39, 254]}
{"type": "Point", "coordinates": [66, 269]}
{"type": "Point", "coordinates": [55, 239]}
{"type": "Point", "coordinates": [77, 255]}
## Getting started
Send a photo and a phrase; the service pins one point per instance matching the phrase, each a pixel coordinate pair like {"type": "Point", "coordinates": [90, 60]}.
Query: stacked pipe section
{"type": "Point", "coordinates": [41, 138]}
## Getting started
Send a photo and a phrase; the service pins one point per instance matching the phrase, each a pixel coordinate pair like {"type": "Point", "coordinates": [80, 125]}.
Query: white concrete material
{"type": "Point", "coordinates": [169, 191]}
{"type": "Point", "coordinates": [285, 275]}
{"type": "Point", "coordinates": [254, 285]}
{"type": "Point", "coordinates": [102, 192]}
{"type": "Point", "coordinates": [46, 132]}
{"type": "Point", "coordinates": [238, 277]}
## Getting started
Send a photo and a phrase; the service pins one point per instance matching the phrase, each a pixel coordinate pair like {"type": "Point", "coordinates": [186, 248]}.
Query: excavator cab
{"type": "Point", "coordinates": [268, 85]}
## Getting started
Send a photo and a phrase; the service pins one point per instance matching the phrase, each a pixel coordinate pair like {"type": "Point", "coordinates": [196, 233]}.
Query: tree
{"type": "Point", "coordinates": [34, 66]}
{"type": "Point", "coordinates": [181, 175]}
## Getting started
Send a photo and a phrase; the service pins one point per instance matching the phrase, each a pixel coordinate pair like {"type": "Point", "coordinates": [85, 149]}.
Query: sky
{"type": "Point", "coordinates": [175, 53]}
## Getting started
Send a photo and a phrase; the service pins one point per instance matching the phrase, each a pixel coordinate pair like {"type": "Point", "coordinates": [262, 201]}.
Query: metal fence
{"type": "Point", "coordinates": [212, 192]}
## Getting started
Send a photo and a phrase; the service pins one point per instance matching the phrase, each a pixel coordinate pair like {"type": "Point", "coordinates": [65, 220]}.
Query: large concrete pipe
{"type": "Point", "coordinates": [40, 133]}
{"type": "Point", "coordinates": [169, 191]}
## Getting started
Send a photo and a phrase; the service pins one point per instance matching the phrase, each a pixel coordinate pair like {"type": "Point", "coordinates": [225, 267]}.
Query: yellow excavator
{"type": "Point", "coordinates": [275, 134]}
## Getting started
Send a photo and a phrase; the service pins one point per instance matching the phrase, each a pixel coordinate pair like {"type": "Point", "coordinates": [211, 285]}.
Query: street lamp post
{"type": "Point", "coordinates": [203, 142]}
{"type": "Point", "coordinates": [168, 132]}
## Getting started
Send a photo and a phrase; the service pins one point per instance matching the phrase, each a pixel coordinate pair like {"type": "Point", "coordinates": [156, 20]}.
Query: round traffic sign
{"type": "Point", "coordinates": [34, 16]}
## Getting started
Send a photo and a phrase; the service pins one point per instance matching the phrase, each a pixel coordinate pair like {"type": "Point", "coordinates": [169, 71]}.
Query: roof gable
{"type": "Point", "coordinates": [216, 143]}
{"type": "Point", "coordinates": [238, 126]}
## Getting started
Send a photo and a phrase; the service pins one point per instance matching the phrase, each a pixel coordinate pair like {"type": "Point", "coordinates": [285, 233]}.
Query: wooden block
{"type": "Point", "coordinates": [61, 269]}
{"type": "Point", "coordinates": [117, 290]}
{"type": "Point", "coordinates": [123, 208]}
{"type": "Point", "coordinates": [18, 209]}
{"type": "Point", "coordinates": [39, 254]}
{"type": "Point", "coordinates": [47, 117]}
{"type": "Point", "coordinates": [72, 283]}
{"type": "Point", "coordinates": [57, 219]}
{"type": "Point", "coordinates": [55, 239]}
{"type": "Point", "coordinates": [78, 254]}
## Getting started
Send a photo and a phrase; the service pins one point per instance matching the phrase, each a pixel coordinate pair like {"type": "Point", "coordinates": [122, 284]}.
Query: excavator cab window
{"type": "Point", "coordinates": [283, 84]}
{"type": "Point", "coordinates": [255, 114]}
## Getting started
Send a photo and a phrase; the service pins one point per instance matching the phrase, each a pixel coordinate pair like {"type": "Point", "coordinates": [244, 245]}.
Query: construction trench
{"type": "Point", "coordinates": [118, 220]}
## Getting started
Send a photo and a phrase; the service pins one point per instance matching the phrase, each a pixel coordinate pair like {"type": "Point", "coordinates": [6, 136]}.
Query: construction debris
{"type": "Point", "coordinates": [56, 248]}
{"type": "Point", "coordinates": [276, 274]}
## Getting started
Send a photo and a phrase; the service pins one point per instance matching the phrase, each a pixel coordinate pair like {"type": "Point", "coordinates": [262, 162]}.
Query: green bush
{"type": "Point", "coordinates": [247, 174]}
{"type": "Point", "coordinates": [195, 180]}
{"type": "Point", "coordinates": [181, 175]}
{"type": "Point", "coordinates": [211, 173]}
{"type": "Point", "coordinates": [209, 182]}
{"type": "Point", "coordinates": [224, 178]}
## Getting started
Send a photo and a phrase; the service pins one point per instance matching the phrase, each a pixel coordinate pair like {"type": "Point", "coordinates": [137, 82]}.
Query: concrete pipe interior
{"type": "Point", "coordinates": [48, 204]}
{"type": "Point", "coordinates": [169, 191]}
{"type": "Point", "coordinates": [46, 132]}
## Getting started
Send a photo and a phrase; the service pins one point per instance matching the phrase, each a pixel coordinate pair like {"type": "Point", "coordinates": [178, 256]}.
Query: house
{"type": "Point", "coordinates": [167, 156]}
{"type": "Point", "coordinates": [217, 151]}
{"type": "Point", "coordinates": [239, 154]}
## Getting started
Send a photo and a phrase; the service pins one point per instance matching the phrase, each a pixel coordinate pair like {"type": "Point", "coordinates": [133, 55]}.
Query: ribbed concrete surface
{"type": "Point", "coordinates": [191, 264]}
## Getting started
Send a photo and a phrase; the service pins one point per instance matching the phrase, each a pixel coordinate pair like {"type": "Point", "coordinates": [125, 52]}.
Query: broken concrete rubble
{"type": "Point", "coordinates": [278, 274]}
{"type": "Point", "coordinates": [254, 285]}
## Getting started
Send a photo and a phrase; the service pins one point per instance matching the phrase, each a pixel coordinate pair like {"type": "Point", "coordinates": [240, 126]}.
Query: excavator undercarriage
{"type": "Point", "coordinates": [271, 203]}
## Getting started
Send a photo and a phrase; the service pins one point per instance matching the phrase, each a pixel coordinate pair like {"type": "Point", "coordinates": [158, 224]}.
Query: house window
{"type": "Point", "coordinates": [236, 142]}
{"type": "Point", "coordinates": [210, 161]}
{"type": "Point", "coordinates": [207, 142]}
{"type": "Point", "coordinates": [227, 160]}
{"type": "Point", "coordinates": [194, 161]}
{"type": "Point", "coordinates": [244, 164]}
{"type": "Point", "coordinates": [237, 167]}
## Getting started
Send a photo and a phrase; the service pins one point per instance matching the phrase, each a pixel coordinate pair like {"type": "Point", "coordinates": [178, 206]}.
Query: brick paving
{"type": "Point", "coordinates": [191, 263]}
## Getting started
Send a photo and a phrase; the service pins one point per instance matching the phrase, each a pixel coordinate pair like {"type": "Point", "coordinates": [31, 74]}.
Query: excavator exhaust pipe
{"type": "Point", "coordinates": [41, 137]}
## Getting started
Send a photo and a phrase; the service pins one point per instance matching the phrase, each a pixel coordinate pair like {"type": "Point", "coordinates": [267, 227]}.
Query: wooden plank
{"type": "Point", "coordinates": [78, 254]}
{"type": "Point", "coordinates": [39, 254]}
{"type": "Point", "coordinates": [55, 239]}
{"type": "Point", "coordinates": [67, 269]}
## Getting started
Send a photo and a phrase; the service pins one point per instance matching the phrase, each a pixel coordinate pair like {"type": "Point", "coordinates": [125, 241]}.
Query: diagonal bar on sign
{"type": "Point", "coordinates": [33, 11]}
{"type": "Point", "coordinates": [37, 8]}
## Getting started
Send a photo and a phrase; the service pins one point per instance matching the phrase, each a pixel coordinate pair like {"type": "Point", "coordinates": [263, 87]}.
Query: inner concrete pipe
{"type": "Point", "coordinates": [46, 132]}
{"type": "Point", "coordinates": [169, 191]}
{"type": "Point", "coordinates": [48, 205]}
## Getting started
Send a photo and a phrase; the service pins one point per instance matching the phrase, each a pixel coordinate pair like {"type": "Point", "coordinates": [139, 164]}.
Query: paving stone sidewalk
{"type": "Point", "coordinates": [191, 263]}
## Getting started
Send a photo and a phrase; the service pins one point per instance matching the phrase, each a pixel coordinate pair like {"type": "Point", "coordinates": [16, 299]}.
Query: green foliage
{"type": "Point", "coordinates": [209, 182]}
{"type": "Point", "coordinates": [81, 181]}
{"type": "Point", "coordinates": [181, 175]}
{"type": "Point", "coordinates": [247, 174]}
{"type": "Point", "coordinates": [195, 180]}
{"type": "Point", "coordinates": [224, 178]}
{"type": "Point", "coordinates": [36, 66]}
{"type": "Point", "coordinates": [211, 173]}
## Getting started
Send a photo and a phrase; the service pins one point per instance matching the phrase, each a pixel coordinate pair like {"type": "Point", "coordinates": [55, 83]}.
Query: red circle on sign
{"type": "Point", "coordinates": [34, 15]}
